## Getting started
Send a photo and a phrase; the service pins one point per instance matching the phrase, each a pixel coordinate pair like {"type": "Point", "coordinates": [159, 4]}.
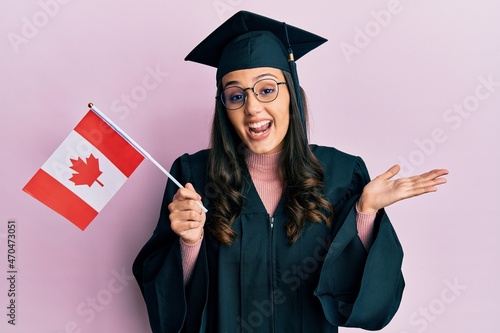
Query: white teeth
{"type": "Point", "coordinates": [259, 124]}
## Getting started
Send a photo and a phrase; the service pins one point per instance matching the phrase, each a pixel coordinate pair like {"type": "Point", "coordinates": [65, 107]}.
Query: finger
{"type": "Point", "coordinates": [184, 227]}
{"type": "Point", "coordinates": [187, 193]}
{"type": "Point", "coordinates": [391, 172]}
{"type": "Point", "coordinates": [188, 225]}
{"type": "Point", "coordinates": [195, 212]}
{"type": "Point", "coordinates": [422, 187]}
{"type": "Point", "coordinates": [185, 205]}
{"type": "Point", "coordinates": [186, 216]}
{"type": "Point", "coordinates": [190, 186]}
{"type": "Point", "coordinates": [433, 174]}
{"type": "Point", "coordinates": [437, 173]}
{"type": "Point", "coordinates": [431, 186]}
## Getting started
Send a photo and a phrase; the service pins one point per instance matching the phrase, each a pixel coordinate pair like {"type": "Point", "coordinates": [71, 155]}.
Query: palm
{"type": "Point", "coordinates": [382, 191]}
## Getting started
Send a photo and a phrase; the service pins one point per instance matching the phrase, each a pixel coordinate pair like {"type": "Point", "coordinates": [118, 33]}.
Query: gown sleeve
{"type": "Point", "coordinates": [357, 288]}
{"type": "Point", "coordinates": [158, 269]}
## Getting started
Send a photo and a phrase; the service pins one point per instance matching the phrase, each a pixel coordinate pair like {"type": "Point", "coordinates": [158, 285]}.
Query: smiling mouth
{"type": "Point", "coordinates": [259, 128]}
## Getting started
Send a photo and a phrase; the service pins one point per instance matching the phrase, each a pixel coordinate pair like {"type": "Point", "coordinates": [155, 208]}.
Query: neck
{"type": "Point", "coordinates": [262, 161]}
{"type": "Point", "coordinates": [264, 171]}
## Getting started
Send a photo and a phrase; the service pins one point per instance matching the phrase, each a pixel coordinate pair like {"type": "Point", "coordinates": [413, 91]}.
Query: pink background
{"type": "Point", "coordinates": [384, 87]}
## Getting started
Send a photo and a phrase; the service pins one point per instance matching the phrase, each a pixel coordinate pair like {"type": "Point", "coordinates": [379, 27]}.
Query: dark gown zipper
{"type": "Point", "coordinates": [271, 253]}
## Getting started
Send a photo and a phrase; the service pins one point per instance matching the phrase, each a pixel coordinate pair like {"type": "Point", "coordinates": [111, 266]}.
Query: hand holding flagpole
{"type": "Point", "coordinates": [139, 148]}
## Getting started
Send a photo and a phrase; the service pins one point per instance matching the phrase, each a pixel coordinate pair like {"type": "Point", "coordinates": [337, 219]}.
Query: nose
{"type": "Point", "coordinates": [252, 104]}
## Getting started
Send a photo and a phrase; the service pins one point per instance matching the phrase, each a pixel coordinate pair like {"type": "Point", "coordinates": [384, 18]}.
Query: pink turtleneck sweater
{"type": "Point", "coordinates": [263, 169]}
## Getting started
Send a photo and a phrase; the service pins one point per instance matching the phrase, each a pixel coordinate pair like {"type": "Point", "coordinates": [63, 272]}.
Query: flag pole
{"type": "Point", "coordinates": [139, 148]}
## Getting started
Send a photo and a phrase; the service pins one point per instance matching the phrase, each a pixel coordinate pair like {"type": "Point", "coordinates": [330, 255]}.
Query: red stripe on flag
{"type": "Point", "coordinates": [121, 153]}
{"type": "Point", "coordinates": [52, 193]}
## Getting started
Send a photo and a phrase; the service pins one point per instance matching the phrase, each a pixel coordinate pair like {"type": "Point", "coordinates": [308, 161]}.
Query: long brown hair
{"type": "Point", "coordinates": [301, 172]}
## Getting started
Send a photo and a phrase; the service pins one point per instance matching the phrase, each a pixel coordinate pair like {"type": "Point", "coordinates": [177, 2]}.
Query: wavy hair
{"type": "Point", "coordinates": [301, 174]}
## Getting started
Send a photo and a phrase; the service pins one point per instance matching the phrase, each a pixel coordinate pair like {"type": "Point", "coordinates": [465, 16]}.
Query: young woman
{"type": "Point", "coordinates": [296, 238]}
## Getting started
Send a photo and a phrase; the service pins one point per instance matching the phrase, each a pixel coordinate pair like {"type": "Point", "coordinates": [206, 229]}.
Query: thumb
{"type": "Point", "coordinates": [190, 186]}
{"type": "Point", "coordinates": [391, 172]}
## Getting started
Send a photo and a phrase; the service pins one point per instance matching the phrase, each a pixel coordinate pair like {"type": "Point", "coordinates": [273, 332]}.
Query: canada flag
{"type": "Point", "coordinates": [85, 171]}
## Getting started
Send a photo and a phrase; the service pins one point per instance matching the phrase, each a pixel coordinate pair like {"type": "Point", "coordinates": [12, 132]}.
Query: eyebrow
{"type": "Point", "coordinates": [257, 78]}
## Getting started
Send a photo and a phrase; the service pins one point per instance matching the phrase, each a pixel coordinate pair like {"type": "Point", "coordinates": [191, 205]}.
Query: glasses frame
{"type": "Point", "coordinates": [253, 91]}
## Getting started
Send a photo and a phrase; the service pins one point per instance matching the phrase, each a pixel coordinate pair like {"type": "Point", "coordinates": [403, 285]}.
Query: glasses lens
{"type": "Point", "coordinates": [266, 90]}
{"type": "Point", "coordinates": [233, 98]}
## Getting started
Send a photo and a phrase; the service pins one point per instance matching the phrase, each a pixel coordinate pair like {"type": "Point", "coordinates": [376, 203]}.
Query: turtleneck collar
{"type": "Point", "coordinates": [262, 161]}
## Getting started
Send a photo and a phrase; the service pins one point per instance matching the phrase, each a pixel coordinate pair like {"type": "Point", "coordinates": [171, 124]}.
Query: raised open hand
{"type": "Point", "coordinates": [382, 191]}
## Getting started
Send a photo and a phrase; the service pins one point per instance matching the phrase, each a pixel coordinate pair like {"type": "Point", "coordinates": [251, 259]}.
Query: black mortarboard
{"type": "Point", "coordinates": [244, 40]}
{"type": "Point", "coordinates": [247, 40]}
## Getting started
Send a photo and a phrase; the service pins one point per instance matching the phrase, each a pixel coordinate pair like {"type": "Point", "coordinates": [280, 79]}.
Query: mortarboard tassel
{"type": "Point", "coordinates": [293, 72]}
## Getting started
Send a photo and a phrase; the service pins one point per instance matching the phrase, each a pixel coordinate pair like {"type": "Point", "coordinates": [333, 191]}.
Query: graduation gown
{"type": "Point", "coordinates": [261, 283]}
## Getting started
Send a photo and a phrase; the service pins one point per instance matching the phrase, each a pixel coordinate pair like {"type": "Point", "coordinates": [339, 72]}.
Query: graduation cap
{"type": "Point", "coordinates": [247, 40]}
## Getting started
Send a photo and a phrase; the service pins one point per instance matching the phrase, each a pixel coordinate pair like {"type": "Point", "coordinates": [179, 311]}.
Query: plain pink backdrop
{"type": "Point", "coordinates": [398, 82]}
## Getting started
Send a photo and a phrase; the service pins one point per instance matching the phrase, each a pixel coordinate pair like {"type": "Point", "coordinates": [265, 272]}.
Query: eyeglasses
{"type": "Point", "coordinates": [265, 91]}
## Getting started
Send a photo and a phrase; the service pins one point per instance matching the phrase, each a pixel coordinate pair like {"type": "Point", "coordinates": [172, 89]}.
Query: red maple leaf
{"type": "Point", "coordinates": [87, 173]}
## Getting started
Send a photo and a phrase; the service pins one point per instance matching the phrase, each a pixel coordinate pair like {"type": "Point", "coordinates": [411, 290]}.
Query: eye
{"type": "Point", "coordinates": [266, 87]}
{"type": "Point", "coordinates": [235, 97]}
{"type": "Point", "coordinates": [266, 91]}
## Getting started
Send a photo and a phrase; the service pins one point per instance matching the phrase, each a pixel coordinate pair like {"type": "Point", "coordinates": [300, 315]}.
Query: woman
{"type": "Point", "coordinates": [295, 238]}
